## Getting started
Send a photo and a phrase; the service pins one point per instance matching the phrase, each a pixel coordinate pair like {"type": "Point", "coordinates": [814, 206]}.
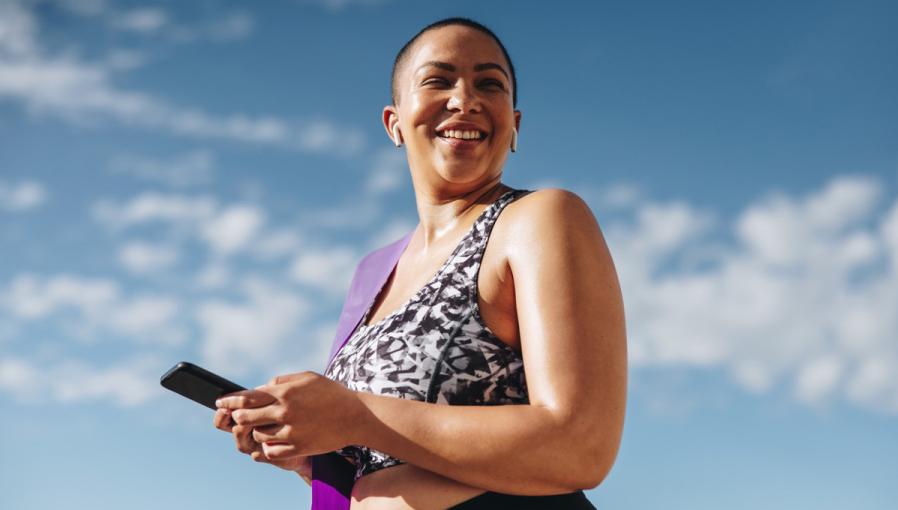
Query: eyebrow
{"type": "Point", "coordinates": [451, 68]}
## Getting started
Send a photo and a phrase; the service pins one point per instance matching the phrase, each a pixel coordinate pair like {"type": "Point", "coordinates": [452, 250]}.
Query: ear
{"type": "Point", "coordinates": [390, 118]}
{"type": "Point", "coordinates": [517, 120]}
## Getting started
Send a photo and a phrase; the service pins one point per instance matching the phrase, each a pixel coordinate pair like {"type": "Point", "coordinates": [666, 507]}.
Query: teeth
{"type": "Point", "coordinates": [464, 135]}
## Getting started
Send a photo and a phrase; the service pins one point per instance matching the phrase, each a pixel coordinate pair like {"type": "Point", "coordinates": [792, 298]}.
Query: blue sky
{"type": "Point", "coordinates": [198, 180]}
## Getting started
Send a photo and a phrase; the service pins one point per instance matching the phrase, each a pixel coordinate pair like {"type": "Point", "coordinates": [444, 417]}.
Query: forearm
{"type": "Point", "coordinates": [515, 449]}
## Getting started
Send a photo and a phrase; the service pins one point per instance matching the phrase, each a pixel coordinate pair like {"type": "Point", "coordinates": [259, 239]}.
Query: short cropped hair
{"type": "Point", "coordinates": [402, 56]}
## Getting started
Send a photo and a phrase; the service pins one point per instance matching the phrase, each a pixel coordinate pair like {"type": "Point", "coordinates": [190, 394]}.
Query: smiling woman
{"type": "Point", "coordinates": [480, 361]}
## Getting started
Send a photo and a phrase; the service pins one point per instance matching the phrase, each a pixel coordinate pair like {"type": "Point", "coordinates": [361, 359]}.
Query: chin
{"type": "Point", "coordinates": [463, 176]}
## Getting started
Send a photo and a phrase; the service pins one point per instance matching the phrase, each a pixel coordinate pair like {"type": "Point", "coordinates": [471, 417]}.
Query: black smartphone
{"type": "Point", "coordinates": [198, 384]}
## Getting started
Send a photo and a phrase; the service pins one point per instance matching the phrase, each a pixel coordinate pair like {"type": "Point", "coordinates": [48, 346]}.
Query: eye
{"type": "Point", "coordinates": [437, 81]}
{"type": "Point", "coordinates": [494, 82]}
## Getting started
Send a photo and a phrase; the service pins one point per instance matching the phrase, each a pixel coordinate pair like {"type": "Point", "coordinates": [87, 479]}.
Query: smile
{"type": "Point", "coordinates": [461, 140]}
{"type": "Point", "coordinates": [462, 134]}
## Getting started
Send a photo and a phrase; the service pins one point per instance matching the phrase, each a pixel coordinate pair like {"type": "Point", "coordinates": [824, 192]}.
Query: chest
{"type": "Point", "coordinates": [494, 285]}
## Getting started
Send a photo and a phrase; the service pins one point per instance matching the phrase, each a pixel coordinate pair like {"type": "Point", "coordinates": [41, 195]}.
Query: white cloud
{"type": "Point", "coordinates": [18, 376]}
{"type": "Point", "coordinates": [22, 196]}
{"type": "Point", "coordinates": [17, 27]}
{"type": "Point", "coordinates": [215, 274]}
{"type": "Point", "coordinates": [393, 231]}
{"type": "Point", "coordinates": [84, 93]}
{"type": "Point", "coordinates": [148, 316]}
{"type": "Point", "coordinates": [123, 60]}
{"type": "Point", "coordinates": [233, 228]}
{"type": "Point", "coordinates": [313, 355]}
{"type": "Point", "coordinates": [356, 214]}
{"type": "Point", "coordinates": [92, 305]}
{"type": "Point", "coordinates": [226, 230]}
{"type": "Point", "coordinates": [142, 20]}
{"type": "Point", "coordinates": [329, 270]}
{"type": "Point", "coordinates": [276, 244]}
{"type": "Point", "coordinates": [888, 231]}
{"type": "Point", "coordinates": [817, 378]}
{"type": "Point", "coordinates": [239, 337]}
{"type": "Point", "coordinates": [229, 27]}
{"type": "Point", "coordinates": [128, 384]}
{"type": "Point", "coordinates": [388, 173]}
{"type": "Point", "coordinates": [619, 195]}
{"type": "Point", "coordinates": [781, 230]}
{"type": "Point", "coordinates": [188, 169]}
{"type": "Point", "coordinates": [141, 257]}
{"type": "Point", "coordinates": [33, 297]}
{"type": "Point", "coordinates": [337, 5]}
{"type": "Point", "coordinates": [151, 207]}
{"type": "Point", "coordinates": [156, 22]}
{"type": "Point", "coordinates": [805, 296]}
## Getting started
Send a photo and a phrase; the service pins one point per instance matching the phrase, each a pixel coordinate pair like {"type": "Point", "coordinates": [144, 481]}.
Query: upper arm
{"type": "Point", "coordinates": [570, 315]}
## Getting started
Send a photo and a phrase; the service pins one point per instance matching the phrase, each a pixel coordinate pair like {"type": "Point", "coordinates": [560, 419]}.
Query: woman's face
{"type": "Point", "coordinates": [454, 84]}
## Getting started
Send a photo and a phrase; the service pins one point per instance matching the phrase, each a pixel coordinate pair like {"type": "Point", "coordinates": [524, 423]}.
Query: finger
{"type": "Point", "coordinates": [245, 399]}
{"type": "Point", "coordinates": [270, 433]}
{"type": "Point", "coordinates": [257, 417]}
{"type": "Point", "coordinates": [243, 439]}
{"type": "Point", "coordinates": [278, 451]}
{"type": "Point", "coordinates": [222, 420]}
{"type": "Point", "coordinates": [259, 456]}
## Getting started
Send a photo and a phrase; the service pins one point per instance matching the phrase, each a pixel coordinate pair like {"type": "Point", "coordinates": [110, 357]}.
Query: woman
{"type": "Point", "coordinates": [459, 321]}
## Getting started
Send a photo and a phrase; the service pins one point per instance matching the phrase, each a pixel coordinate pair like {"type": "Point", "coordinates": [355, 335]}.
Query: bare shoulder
{"type": "Point", "coordinates": [550, 214]}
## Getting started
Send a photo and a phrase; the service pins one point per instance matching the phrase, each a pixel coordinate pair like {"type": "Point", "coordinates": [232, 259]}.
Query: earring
{"type": "Point", "coordinates": [514, 140]}
{"type": "Point", "coordinates": [397, 139]}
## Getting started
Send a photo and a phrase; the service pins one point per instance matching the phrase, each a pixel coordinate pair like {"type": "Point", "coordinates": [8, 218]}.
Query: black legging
{"type": "Point", "coordinates": [494, 500]}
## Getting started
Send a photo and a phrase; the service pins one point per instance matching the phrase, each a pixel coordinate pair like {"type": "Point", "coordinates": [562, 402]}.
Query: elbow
{"type": "Point", "coordinates": [590, 450]}
{"type": "Point", "coordinates": [597, 455]}
{"type": "Point", "coordinates": [594, 476]}
{"type": "Point", "coordinates": [593, 472]}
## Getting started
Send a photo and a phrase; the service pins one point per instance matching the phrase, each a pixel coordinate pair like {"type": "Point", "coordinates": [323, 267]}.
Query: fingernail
{"type": "Point", "coordinates": [219, 403]}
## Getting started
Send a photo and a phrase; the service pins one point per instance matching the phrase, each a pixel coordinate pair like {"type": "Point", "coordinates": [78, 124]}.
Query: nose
{"type": "Point", "coordinates": [463, 99]}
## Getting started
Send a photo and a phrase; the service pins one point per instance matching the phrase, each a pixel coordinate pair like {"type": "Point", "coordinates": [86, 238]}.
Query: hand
{"type": "Point", "coordinates": [297, 414]}
{"type": "Point", "coordinates": [299, 464]}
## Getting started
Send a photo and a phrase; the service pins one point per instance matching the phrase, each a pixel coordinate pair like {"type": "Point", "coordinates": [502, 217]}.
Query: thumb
{"type": "Point", "coordinates": [244, 399]}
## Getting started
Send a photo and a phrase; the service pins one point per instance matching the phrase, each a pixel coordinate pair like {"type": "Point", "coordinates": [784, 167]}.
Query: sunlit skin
{"type": "Point", "coordinates": [547, 287]}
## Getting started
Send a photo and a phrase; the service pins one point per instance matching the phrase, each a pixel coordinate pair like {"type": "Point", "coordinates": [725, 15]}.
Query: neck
{"type": "Point", "coordinates": [441, 215]}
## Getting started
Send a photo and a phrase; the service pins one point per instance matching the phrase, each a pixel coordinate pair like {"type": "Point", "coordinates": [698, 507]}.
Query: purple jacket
{"type": "Point", "coordinates": [332, 476]}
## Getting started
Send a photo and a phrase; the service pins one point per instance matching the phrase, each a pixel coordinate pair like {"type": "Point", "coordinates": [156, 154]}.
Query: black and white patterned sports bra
{"type": "Point", "coordinates": [435, 348]}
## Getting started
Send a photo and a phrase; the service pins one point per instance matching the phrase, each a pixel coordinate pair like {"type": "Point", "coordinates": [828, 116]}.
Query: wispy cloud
{"type": "Point", "coordinates": [233, 228]}
{"type": "Point", "coordinates": [141, 257]}
{"type": "Point", "coordinates": [252, 333]}
{"type": "Point", "coordinates": [156, 21]}
{"type": "Point", "coordinates": [128, 383]}
{"type": "Point", "coordinates": [224, 229]}
{"type": "Point", "coordinates": [338, 5]}
{"type": "Point", "coordinates": [87, 307]}
{"type": "Point", "coordinates": [152, 207]}
{"type": "Point", "coordinates": [192, 168]}
{"type": "Point", "coordinates": [142, 20]}
{"type": "Point", "coordinates": [22, 196]}
{"type": "Point", "coordinates": [85, 93]}
{"type": "Point", "coordinates": [804, 295]}
{"type": "Point", "coordinates": [389, 172]}
{"type": "Point", "coordinates": [328, 269]}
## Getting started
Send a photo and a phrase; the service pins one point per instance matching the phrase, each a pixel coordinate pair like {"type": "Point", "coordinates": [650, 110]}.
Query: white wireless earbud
{"type": "Point", "coordinates": [397, 139]}
{"type": "Point", "coordinates": [514, 139]}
